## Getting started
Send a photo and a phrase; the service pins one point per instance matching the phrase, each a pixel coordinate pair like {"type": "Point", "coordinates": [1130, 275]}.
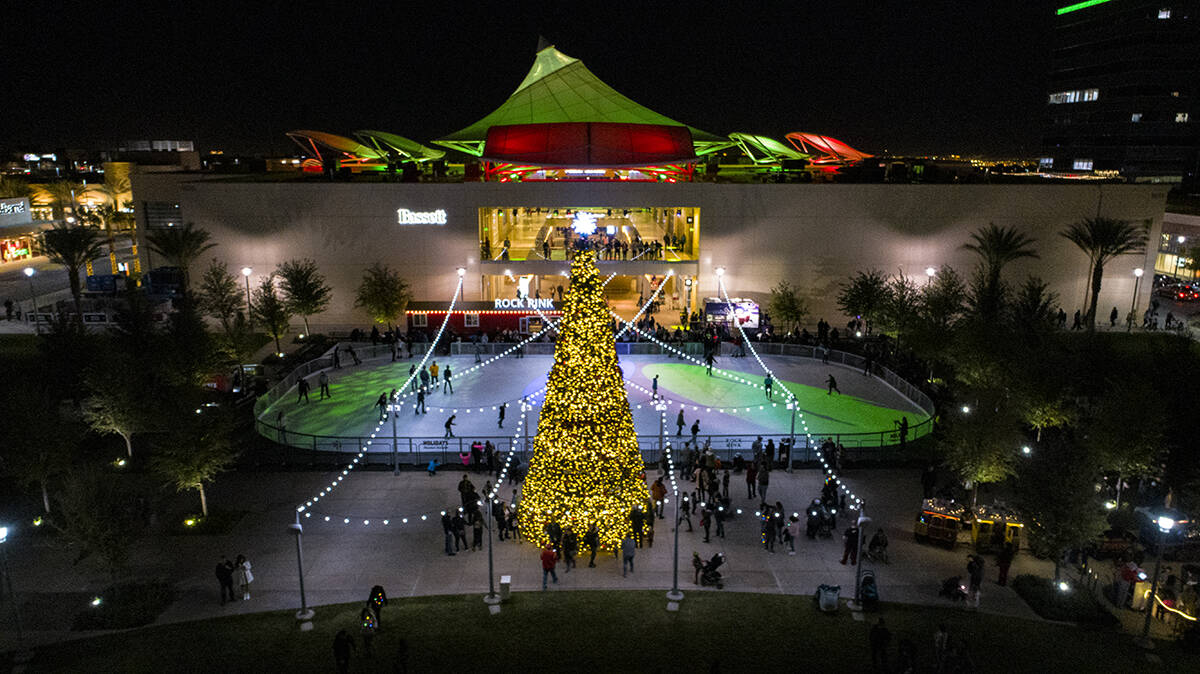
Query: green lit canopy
{"type": "Point", "coordinates": [560, 88]}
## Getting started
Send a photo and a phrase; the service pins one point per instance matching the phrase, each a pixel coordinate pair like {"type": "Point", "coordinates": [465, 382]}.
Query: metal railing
{"type": "Point", "coordinates": [394, 451]}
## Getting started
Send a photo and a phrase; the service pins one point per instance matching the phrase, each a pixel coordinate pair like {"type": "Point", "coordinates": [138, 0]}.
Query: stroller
{"type": "Point", "coordinates": [827, 597]}
{"type": "Point", "coordinates": [868, 591]}
{"type": "Point", "coordinates": [709, 574]}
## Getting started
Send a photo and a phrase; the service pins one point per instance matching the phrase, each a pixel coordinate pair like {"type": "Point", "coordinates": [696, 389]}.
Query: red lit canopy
{"type": "Point", "coordinates": [607, 144]}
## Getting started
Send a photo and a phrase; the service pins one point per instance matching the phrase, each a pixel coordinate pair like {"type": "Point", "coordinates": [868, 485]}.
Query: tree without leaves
{"type": "Point", "coordinates": [270, 310]}
{"type": "Point", "coordinates": [383, 294]}
{"type": "Point", "coordinates": [181, 246]}
{"type": "Point", "coordinates": [303, 288]}
{"type": "Point", "coordinates": [220, 296]}
{"type": "Point", "coordinates": [1103, 239]}
{"type": "Point", "coordinates": [866, 295]}
{"type": "Point", "coordinates": [73, 248]}
{"type": "Point", "coordinates": [787, 306]}
{"type": "Point", "coordinates": [197, 449]}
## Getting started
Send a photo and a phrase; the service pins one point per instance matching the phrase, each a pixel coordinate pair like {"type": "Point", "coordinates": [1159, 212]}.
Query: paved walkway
{"type": "Point", "coordinates": [342, 561]}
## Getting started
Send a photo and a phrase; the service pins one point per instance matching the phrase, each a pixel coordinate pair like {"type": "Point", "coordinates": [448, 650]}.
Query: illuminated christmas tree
{"type": "Point", "coordinates": [586, 466]}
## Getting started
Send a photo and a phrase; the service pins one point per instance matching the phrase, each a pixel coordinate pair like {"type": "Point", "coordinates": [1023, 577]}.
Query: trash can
{"type": "Point", "coordinates": [505, 587]}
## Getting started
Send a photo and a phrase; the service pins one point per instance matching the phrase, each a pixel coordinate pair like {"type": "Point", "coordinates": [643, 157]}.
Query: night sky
{"type": "Point", "coordinates": [905, 77]}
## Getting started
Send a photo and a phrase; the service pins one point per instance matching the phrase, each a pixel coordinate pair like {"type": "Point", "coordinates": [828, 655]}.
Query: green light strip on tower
{"type": "Point", "coordinates": [1080, 5]}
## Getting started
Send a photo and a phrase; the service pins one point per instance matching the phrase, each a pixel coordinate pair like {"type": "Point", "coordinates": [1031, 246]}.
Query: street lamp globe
{"type": "Point", "coordinates": [688, 281]}
{"type": "Point", "coordinates": [720, 271]}
{"type": "Point", "coordinates": [1181, 239]}
{"type": "Point", "coordinates": [1165, 523]}
{"type": "Point", "coordinates": [930, 272]}
{"type": "Point", "coordinates": [1027, 450]}
{"type": "Point", "coordinates": [462, 271]}
{"type": "Point", "coordinates": [30, 271]}
{"type": "Point", "coordinates": [3, 534]}
{"type": "Point", "coordinates": [246, 271]}
{"type": "Point", "coordinates": [1138, 272]}
{"type": "Point", "coordinates": [966, 409]}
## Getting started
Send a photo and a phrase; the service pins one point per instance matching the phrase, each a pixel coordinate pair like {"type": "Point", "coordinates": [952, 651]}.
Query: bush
{"type": "Point", "coordinates": [1077, 605]}
{"type": "Point", "coordinates": [125, 606]}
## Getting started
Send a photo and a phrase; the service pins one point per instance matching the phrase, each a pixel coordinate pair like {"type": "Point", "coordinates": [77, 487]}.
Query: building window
{"type": "Point", "coordinates": [1164, 13]}
{"type": "Point", "coordinates": [1181, 117]}
{"type": "Point", "coordinates": [1046, 162]}
{"type": "Point", "coordinates": [1082, 165]}
{"type": "Point", "coordinates": [1175, 94]}
{"type": "Point", "coordinates": [1076, 96]}
{"type": "Point", "coordinates": [470, 320]}
{"type": "Point", "coordinates": [1135, 117]}
{"type": "Point", "coordinates": [420, 320]}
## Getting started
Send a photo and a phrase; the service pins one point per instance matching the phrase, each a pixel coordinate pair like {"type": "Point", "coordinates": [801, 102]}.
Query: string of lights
{"type": "Point", "coordinates": [363, 450]}
{"type": "Point", "coordinates": [829, 470]}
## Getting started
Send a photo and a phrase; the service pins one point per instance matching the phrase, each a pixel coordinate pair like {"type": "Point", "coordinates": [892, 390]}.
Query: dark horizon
{"type": "Point", "coordinates": [882, 77]}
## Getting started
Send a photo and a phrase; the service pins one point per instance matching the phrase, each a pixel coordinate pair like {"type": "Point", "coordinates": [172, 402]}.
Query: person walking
{"type": "Point", "coordinates": [419, 408]}
{"type": "Point", "coordinates": [628, 549]}
{"type": "Point", "coordinates": [592, 540]}
{"type": "Point", "coordinates": [764, 481]}
{"type": "Point", "coordinates": [658, 491]}
{"type": "Point", "coordinates": [477, 533]}
{"type": "Point", "coordinates": [654, 388]}
{"type": "Point", "coordinates": [975, 574]}
{"type": "Point", "coordinates": [243, 576]}
{"type": "Point", "coordinates": [832, 384]}
{"type": "Point", "coordinates": [500, 418]}
{"type": "Point", "coordinates": [680, 422]}
{"type": "Point", "coordinates": [879, 639]}
{"type": "Point", "coordinates": [450, 426]}
{"type": "Point", "coordinates": [323, 382]}
{"type": "Point", "coordinates": [224, 573]}
{"type": "Point", "coordinates": [1112, 318]}
{"type": "Point", "coordinates": [424, 377]}
{"type": "Point", "coordinates": [1004, 560]}
{"type": "Point", "coordinates": [850, 544]}
{"type": "Point", "coordinates": [353, 355]}
{"type": "Point", "coordinates": [639, 523]}
{"type": "Point", "coordinates": [902, 428]}
{"type": "Point", "coordinates": [433, 373]}
{"type": "Point", "coordinates": [570, 546]}
{"type": "Point", "coordinates": [460, 531]}
{"type": "Point", "coordinates": [382, 404]}
{"type": "Point", "coordinates": [446, 385]}
{"type": "Point", "coordinates": [302, 388]}
{"type": "Point", "coordinates": [343, 646]}
{"type": "Point", "coordinates": [448, 532]}
{"type": "Point", "coordinates": [767, 384]}
{"type": "Point", "coordinates": [719, 516]}
{"type": "Point", "coordinates": [725, 485]}
{"type": "Point", "coordinates": [708, 362]}
{"type": "Point", "coordinates": [751, 479]}
{"type": "Point", "coordinates": [695, 431]}
{"type": "Point", "coordinates": [549, 560]}
{"type": "Point", "coordinates": [706, 520]}
{"type": "Point", "coordinates": [337, 359]}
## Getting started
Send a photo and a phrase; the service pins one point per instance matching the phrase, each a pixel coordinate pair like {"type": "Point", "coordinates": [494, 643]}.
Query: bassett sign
{"type": "Point", "coordinates": [407, 217]}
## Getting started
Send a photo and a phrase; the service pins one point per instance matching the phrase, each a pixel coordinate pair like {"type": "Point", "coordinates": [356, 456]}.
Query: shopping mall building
{"type": "Point", "coordinates": [568, 156]}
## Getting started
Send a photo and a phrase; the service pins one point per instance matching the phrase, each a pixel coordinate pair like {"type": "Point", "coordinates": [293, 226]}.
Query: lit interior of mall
{"type": "Point", "coordinates": [656, 234]}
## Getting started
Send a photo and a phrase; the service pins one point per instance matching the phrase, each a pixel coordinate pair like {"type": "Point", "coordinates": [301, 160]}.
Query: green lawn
{"type": "Point", "coordinates": [604, 631]}
{"type": "Point", "coordinates": [826, 414]}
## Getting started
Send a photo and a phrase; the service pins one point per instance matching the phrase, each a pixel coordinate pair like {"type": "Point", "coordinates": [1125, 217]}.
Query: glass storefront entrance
{"type": "Point", "coordinates": [667, 233]}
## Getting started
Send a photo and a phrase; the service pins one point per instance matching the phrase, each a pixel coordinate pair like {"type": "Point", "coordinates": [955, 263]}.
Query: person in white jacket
{"type": "Point", "coordinates": [242, 575]}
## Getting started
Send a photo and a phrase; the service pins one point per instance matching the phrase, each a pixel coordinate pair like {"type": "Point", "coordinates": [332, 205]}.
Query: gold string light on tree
{"type": "Point", "coordinates": [586, 467]}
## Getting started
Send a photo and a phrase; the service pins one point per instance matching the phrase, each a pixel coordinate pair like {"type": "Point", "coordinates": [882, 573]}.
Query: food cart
{"type": "Point", "coordinates": [994, 525]}
{"type": "Point", "coordinates": [939, 521]}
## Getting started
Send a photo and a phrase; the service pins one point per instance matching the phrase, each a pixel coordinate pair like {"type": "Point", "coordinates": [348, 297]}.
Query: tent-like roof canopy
{"type": "Point", "coordinates": [390, 144]}
{"type": "Point", "coordinates": [560, 88]}
{"type": "Point", "coordinates": [312, 141]}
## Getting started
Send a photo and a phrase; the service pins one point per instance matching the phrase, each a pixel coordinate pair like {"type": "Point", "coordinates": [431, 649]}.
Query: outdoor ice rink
{"type": "Point", "coordinates": [723, 406]}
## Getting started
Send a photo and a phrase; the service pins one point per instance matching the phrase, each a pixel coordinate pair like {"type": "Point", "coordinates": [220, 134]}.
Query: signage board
{"type": "Point", "coordinates": [543, 303]}
{"type": "Point", "coordinates": [15, 212]}
{"type": "Point", "coordinates": [407, 217]}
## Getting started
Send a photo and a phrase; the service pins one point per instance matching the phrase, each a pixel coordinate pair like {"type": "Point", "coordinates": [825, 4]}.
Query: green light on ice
{"type": "Point", "coordinates": [1080, 5]}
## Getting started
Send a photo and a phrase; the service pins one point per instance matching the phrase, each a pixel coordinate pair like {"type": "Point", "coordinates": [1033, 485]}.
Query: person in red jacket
{"type": "Point", "coordinates": [549, 559]}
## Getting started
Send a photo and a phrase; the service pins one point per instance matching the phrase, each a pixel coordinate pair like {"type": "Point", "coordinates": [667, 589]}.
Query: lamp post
{"type": "Point", "coordinates": [246, 272]}
{"type": "Point", "coordinates": [8, 586]}
{"type": "Point", "coordinates": [1164, 525]}
{"type": "Point", "coordinates": [1137, 281]}
{"type": "Point", "coordinates": [792, 405]}
{"type": "Point", "coordinates": [305, 614]}
{"type": "Point", "coordinates": [29, 272]}
{"type": "Point", "coordinates": [491, 598]}
{"type": "Point", "coordinates": [675, 594]}
{"type": "Point", "coordinates": [687, 309]}
{"type": "Point", "coordinates": [930, 272]}
{"type": "Point", "coordinates": [1178, 253]}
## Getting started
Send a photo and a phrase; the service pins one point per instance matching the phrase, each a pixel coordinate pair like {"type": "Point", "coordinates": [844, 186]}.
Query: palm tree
{"type": "Point", "coordinates": [996, 247]}
{"type": "Point", "coordinates": [14, 188]}
{"type": "Point", "coordinates": [64, 196]}
{"type": "Point", "coordinates": [1104, 239]}
{"type": "Point", "coordinates": [180, 245]}
{"type": "Point", "coordinates": [73, 247]}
